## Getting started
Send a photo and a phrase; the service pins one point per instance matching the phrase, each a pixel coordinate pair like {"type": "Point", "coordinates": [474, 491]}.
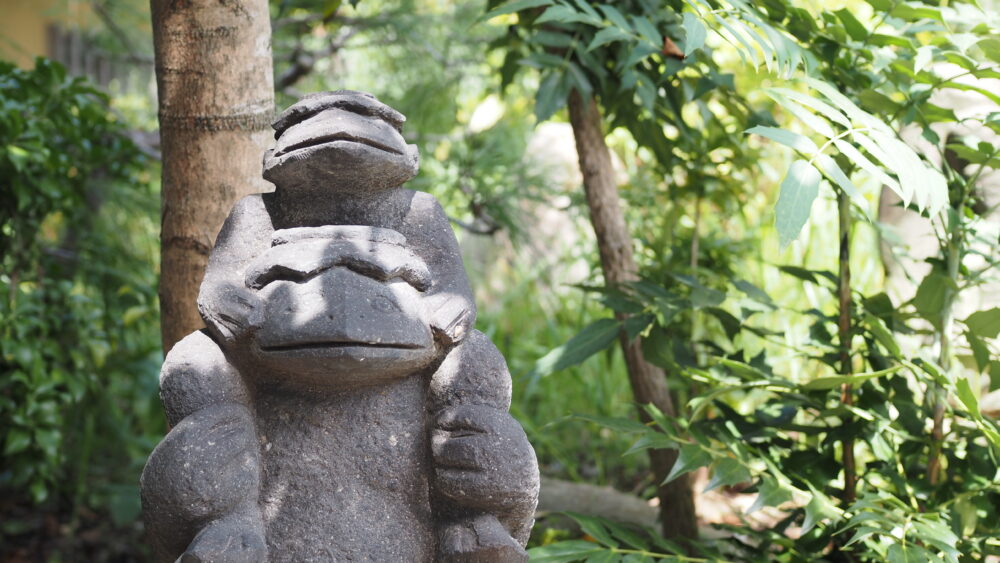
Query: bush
{"type": "Point", "coordinates": [79, 342]}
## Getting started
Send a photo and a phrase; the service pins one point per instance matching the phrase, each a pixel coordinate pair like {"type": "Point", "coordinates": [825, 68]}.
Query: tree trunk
{"type": "Point", "coordinates": [614, 243]}
{"type": "Point", "coordinates": [216, 92]}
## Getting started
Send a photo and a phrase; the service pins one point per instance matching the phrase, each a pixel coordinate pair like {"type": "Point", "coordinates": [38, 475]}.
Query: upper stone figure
{"type": "Point", "coordinates": [339, 407]}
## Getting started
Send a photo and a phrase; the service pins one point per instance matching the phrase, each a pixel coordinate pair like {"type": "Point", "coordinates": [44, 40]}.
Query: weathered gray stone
{"type": "Point", "coordinates": [339, 407]}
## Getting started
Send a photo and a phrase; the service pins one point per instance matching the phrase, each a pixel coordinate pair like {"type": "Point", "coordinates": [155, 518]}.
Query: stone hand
{"type": "Point", "coordinates": [230, 310]}
{"type": "Point", "coordinates": [483, 460]}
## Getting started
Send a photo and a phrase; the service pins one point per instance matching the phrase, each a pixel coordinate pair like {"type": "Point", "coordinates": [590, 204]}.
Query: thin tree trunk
{"type": "Point", "coordinates": [614, 243]}
{"type": "Point", "coordinates": [216, 92]}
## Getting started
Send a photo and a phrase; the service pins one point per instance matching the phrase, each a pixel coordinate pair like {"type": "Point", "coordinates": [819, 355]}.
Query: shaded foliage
{"type": "Point", "coordinates": [79, 348]}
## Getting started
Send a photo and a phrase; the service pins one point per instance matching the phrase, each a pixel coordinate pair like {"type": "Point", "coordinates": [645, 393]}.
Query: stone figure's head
{"type": "Point", "coordinates": [342, 141]}
{"type": "Point", "coordinates": [341, 306]}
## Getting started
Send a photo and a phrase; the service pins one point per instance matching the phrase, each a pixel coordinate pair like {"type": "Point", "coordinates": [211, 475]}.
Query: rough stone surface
{"type": "Point", "coordinates": [339, 406]}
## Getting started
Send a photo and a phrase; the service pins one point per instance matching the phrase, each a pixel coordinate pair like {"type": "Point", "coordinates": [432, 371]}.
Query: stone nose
{"type": "Point", "coordinates": [342, 307]}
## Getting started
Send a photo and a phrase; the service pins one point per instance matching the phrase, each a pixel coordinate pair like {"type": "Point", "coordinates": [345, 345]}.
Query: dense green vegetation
{"type": "Point", "coordinates": [755, 142]}
{"type": "Point", "coordinates": [79, 338]}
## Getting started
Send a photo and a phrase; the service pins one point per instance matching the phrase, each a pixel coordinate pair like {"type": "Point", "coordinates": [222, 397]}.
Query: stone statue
{"type": "Point", "coordinates": [339, 406]}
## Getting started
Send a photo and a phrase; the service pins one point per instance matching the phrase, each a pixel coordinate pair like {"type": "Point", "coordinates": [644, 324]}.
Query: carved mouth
{"type": "Point", "coordinates": [341, 136]}
{"type": "Point", "coordinates": [335, 345]}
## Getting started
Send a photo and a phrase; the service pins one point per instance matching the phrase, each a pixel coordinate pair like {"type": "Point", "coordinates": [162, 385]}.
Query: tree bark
{"type": "Point", "coordinates": [614, 243]}
{"type": "Point", "coordinates": [216, 102]}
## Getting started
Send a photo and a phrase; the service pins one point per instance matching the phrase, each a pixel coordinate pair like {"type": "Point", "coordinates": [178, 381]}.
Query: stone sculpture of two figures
{"type": "Point", "coordinates": [339, 406]}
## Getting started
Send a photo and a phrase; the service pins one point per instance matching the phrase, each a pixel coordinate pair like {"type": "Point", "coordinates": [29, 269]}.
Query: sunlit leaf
{"type": "Point", "coordinates": [516, 6]}
{"type": "Point", "coordinates": [798, 191]}
{"type": "Point", "coordinates": [770, 493]}
{"type": "Point", "coordinates": [985, 324]}
{"type": "Point", "coordinates": [694, 33]}
{"type": "Point", "coordinates": [689, 458]}
{"type": "Point", "coordinates": [796, 141]}
{"type": "Point", "coordinates": [591, 340]}
{"type": "Point", "coordinates": [726, 472]}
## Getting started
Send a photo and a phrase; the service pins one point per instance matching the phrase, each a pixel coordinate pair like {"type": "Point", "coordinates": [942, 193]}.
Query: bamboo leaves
{"type": "Point", "coordinates": [747, 29]}
{"type": "Point", "coordinates": [865, 142]}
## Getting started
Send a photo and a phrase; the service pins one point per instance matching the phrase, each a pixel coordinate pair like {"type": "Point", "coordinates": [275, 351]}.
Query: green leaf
{"type": "Point", "coordinates": [566, 551]}
{"type": "Point", "coordinates": [592, 339]}
{"type": "Point", "coordinates": [648, 31]}
{"type": "Point", "coordinates": [810, 120]}
{"type": "Point", "coordinates": [798, 192]}
{"type": "Point", "coordinates": [726, 472]}
{"type": "Point", "coordinates": [652, 439]}
{"type": "Point", "coordinates": [910, 12]}
{"type": "Point", "coordinates": [877, 101]}
{"type": "Point", "coordinates": [985, 324]}
{"type": "Point", "coordinates": [515, 6]}
{"type": "Point", "coordinates": [594, 528]}
{"type": "Point", "coordinates": [819, 106]}
{"type": "Point", "coordinates": [819, 508]}
{"type": "Point", "coordinates": [833, 172]}
{"type": "Point", "coordinates": [930, 297]}
{"type": "Point", "coordinates": [604, 557]}
{"type": "Point", "coordinates": [565, 14]}
{"type": "Point", "coordinates": [833, 381]}
{"type": "Point", "coordinates": [907, 553]}
{"type": "Point", "coordinates": [690, 457]}
{"type": "Point", "coordinates": [980, 352]}
{"type": "Point", "coordinates": [890, 41]}
{"type": "Point", "coordinates": [967, 396]}
{"type": "Point", "coordinates": [551, 95]}
{"type": "Point", "coordinates": [694, 33]}
{"type": "Point", "coordinates": [636, 324]}
{"type": "Point", "coordinates": [975, 156]}
{"type": "Point", "coordinates": [616, 424]}
{"type": "Point", "coordinates": [625, 535]}
{"type": "Point", "coordinates": [770, 493]}
{"type": "Point", "coordinates": [17, 441]}
{"type": "Point", "coordinates": [853, 27]}
{"type": "Point", "coordinates": [607, 35]}
{"type": "Point", "coordinates": [991, 48]}
{"type": "Point", "coordinates": [798, 142]}
{"type": "Point", "coordinates": [855, 156]}
{"type": "Point", "coordinates": [615, 16]}
{"type": "Point", "coordinates": [882, 334]}
{"type": "Point", "coordinates": [849, 108]}
{"type": "Point", "coordinates": [923, 57]}
{"type": "Point", "coordinates": [753, 292]}
{"type": "Point", "coordinates": [743, 371]}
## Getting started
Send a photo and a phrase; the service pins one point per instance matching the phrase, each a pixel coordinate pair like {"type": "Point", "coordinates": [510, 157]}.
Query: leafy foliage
{"type": "Point", "coordinates": [927, 456]}
{"type": "Point", "coordinates": [78, 351]}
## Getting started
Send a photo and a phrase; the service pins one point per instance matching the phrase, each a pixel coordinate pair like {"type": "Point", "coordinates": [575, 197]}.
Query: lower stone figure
{"type": "Point", "coordinates": [338, 407]}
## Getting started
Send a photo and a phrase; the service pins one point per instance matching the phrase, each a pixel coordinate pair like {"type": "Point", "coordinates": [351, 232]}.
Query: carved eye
{"type": "Point", "coordinates": [383, 304]}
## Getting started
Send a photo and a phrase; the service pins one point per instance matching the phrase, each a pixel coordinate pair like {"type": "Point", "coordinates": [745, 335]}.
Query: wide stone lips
{"type": "Point", "coordinates": [337, 137]}
{"type": "Point", "coordinates": [337, 345]}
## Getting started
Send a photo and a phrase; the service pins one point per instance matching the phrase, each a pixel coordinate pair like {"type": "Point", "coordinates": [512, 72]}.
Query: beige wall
{"type": "Point", "coordinates": [23, 26]}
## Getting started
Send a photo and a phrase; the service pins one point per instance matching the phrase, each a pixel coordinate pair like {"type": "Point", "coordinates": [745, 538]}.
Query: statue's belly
{"type": "Point", "coordinates": [345, 475]}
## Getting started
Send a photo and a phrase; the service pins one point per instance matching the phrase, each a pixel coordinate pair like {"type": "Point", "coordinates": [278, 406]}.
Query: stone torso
{"type": "Point", "coordinates": [368, 450]}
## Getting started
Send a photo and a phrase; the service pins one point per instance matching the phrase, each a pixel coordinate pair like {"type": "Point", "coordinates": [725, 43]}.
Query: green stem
{"type": "Point", "coordinates": [953, 256]}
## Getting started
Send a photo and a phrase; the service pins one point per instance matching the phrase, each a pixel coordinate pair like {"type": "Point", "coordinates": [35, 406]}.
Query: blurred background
{"type": "Point", "coordinates": [741, 319]}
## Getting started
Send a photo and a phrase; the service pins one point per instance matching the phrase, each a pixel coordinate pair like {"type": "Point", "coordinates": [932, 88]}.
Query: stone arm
{"type": "Point", "coordinates": [227, 306]}
{"type": "Point", "coordinates": [199, 487]}
{"type": "Point", "coordinates": [485, 469]}
{"type": "Point", "coordinates": [449, 300]}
